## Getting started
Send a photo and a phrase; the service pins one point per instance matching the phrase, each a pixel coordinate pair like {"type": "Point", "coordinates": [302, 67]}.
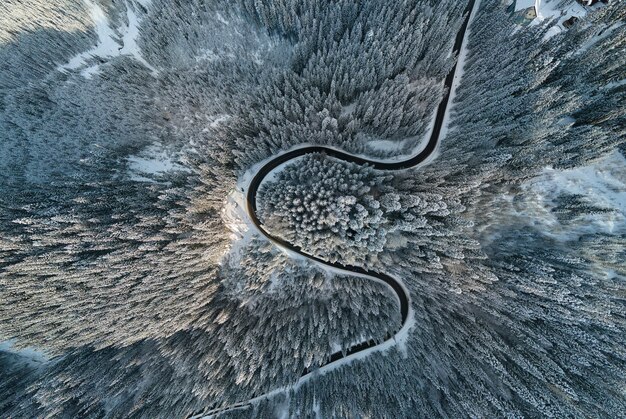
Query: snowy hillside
{"type": "Point", "coordinates": [259, 209]}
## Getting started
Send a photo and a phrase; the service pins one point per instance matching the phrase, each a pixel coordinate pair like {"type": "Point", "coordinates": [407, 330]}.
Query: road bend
{"type": "Point", "coordinates": [393, 283]}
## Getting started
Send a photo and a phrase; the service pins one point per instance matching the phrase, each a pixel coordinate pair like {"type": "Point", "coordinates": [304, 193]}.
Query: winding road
{"type": "Point", "coordinates": [396, 285]}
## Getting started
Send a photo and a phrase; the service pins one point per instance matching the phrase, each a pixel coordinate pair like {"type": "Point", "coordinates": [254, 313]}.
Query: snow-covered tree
{"type": "Point", "coordinates": [145, 304]}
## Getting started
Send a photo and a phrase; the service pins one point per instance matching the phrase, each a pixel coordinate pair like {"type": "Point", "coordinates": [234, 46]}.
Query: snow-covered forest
{"type": "Point", "coordinates": [132, 283]}
{"type": "Point", "coordinates": [343, 212]}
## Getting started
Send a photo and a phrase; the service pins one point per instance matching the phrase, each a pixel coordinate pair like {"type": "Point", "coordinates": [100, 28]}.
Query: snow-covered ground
{"type": "Point", "coordinates": [548, 10]}
{"type": "Point", "coordinates": [219, 119]}
{"type": "Point", "coordinates": [109, 43]}
{"type": "Point", "coordinates": [458, 75]}
{"type": "Point", "coordinates": [602, 184]}
{"type": "Point", "coordinates": [388, 145]}
{"type": "Point", "coordinates": [152, 161]}
{"type": "Point", "coordinates": [130, 36]}
{"type": "Point", "coordinates": [604, 34]}
{"type": "Point", "coordinates": [235, 217]}
{"type": "Point", "coordinates": [30, 355]}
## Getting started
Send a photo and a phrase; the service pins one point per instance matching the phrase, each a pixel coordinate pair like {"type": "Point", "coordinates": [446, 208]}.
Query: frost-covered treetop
{"type": "Point", "coordinates": [125, 126]}
{"type": "Point", "coordinates": [342, 211]}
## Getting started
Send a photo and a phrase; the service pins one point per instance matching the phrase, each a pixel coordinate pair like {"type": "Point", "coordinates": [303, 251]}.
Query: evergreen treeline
{"type": "Point", "coordinates": [148, 308]}
{"type": "Point", "coordinates": [350, 214]}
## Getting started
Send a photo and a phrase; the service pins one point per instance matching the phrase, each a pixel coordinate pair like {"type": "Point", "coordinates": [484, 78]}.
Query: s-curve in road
{"type": "Point", "coordinates": [395, 284]}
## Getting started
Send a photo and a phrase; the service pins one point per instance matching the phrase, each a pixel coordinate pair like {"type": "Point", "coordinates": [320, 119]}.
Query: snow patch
{"type": "Point", "coordinates": [614, 84]}
{"type": "Point", "coordinates": [207, 55]}
{"type": "Point", "coordinates": [217, 121]}
{"type": "Point", "coordinates": [30, 355]}
{"type": "Point", "coordinates": [220, 118]}
{"type": "Point", "coordinates": [234, 215]}
{"type": "Point", "coordinates": [282, 410]}
{"type": "Point", "coordinates": [90, 71]}
{"type": "Point", "coordinates": [602, 35]}
{"type": "Point", "coordinates": [551, 9]}
{"type": "Point", "coordinates": [129, 39]}
{"type": "Point", "coordinates": [348, 109]}
{"type": "Point", "coordinates": [153, 161]}
{"type": "Point", "coordinates": [386, 145]}
{"type": "Point", "coordinates": [523, 4]}
{"type": "Point", "coordinates": [316, 409]}
{"type": "Point", "coordinates": [548, 10]}
{"type": "Point", "coordinates": [603, 184]}
{"type": "Point", "coordinates": [221, 18]}
{"type": "Point", "coordinates": [109, 45]}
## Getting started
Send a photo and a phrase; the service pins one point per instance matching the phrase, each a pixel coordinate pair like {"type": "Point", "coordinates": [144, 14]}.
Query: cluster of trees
{"type": "Point", "coordinates": [197, 32]}
{"type": "Point", "coordinates": [555, 103]}
{"type": "Point", "coordinates": [271, 319]}
{"type": "Point", "coordinates": [16, 372]}
{"type": "Point", "coordinates": [346, 213]}
{"type": "Point", "coordinates": [313, 315]}
{"type": "Point", "coordinates": [531, 324]}
{"type": "Point", "coordinates": [37, 37]}
{"type": "Point", "coordinates": [522, 346]}
{"type": "Point", "coordinates": [360, 72]}
{"type": "Point", "coordinates": [127, 283]}
{"type": "Point", "coordinates": [330, 208]}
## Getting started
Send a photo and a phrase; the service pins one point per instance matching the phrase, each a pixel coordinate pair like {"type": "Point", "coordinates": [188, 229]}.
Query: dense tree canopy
{"type": "Point", "coordinates": [128, 126]}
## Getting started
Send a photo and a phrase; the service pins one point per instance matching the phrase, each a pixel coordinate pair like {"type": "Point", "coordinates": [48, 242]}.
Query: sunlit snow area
{"type": "Point", "coordinates": [566, 204]}
{"type": "Point", "coordinates": [602, 185]}
{"type": "Point", "coordinates": [294, 209]}
{"type": "Point", "coordinates": [153, 162]}
{"type": "Point", "coordinates": [561, 11]}
{"type": "Point", "coordinates": [111, 42]}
